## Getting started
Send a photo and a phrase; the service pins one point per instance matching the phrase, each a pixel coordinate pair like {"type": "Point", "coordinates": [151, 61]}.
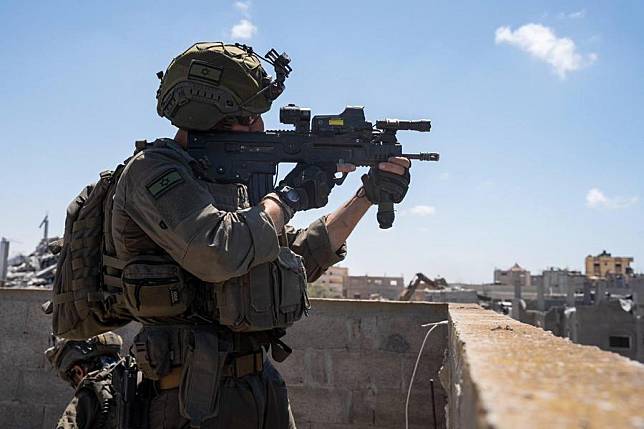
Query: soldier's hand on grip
{"type": "Point", "coordinates": [390, 178]}
{"type": "Point", "coordinates": [307, 186]}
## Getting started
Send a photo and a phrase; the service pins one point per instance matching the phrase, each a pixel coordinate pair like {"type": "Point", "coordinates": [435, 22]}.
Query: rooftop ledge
{"type": "Point", "coordinates": [352, 364]}
{"type": "Point", "coordinates": [506, 374]}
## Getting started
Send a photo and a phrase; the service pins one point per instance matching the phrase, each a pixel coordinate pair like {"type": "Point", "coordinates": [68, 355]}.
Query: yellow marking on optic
{"type": "Point", "coordinates": [338, 122]}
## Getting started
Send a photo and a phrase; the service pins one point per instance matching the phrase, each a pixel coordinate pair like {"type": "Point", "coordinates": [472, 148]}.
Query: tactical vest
{"type": "Point", "coordinates": [95, 292]}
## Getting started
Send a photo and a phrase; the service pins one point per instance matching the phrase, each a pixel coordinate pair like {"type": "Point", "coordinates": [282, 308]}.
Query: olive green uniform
{"type": "Point", "coordinates": [164, 205]}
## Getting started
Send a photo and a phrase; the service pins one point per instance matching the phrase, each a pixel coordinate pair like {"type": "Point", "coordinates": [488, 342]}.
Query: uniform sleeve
{"type": "Point", "coordinates": [178, 213]}
{"type": "Point", "coordinates": [68, 419]}
{"type": "Point", "coordinates": [314, 246]}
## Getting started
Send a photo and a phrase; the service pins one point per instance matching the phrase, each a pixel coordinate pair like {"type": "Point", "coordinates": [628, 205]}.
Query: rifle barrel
{"type": "Point", "coordinates": [422, 125]}
{"type": "Point", "coordinates": [423, 156]}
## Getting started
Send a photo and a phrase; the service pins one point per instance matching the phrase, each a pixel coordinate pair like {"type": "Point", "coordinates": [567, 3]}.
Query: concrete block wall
{"type": "Point", "coordinates": [31, 396]}
{"type": "Point", "coordinates": [350, 368]}
{"type": "Point", "coordinates": [353, 360]}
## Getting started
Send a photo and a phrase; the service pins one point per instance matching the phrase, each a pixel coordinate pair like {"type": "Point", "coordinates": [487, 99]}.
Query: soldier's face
{"type": "Point", "coordinates": [255, 124]}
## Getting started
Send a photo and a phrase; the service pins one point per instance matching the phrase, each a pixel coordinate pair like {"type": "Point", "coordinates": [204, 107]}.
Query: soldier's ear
{"type": "Point", "coordinates": [78, 373]}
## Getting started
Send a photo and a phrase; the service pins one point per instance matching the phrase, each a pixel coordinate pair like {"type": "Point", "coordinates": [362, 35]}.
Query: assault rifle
{"type": "Point", "coordinates": [325, 140]}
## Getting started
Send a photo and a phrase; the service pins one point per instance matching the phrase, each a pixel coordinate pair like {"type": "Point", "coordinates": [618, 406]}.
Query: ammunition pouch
{"type": "Point", "coordinates": [159, 349]}
{"type": "Point", "coordinates": [271, 295]}
{"type": "Point", "coordinates": [155, 287]}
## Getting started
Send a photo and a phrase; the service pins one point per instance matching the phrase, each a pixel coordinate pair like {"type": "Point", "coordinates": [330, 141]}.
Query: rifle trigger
{"type": "Point", "coordinates": [340, 180]}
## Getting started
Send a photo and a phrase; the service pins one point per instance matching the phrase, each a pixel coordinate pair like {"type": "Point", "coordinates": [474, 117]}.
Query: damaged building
{"type": "Point", "coordinates": [36, 269]}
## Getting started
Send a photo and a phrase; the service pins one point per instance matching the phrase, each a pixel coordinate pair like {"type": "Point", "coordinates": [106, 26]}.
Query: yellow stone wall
{"type": "Point", "coordinates": [605, 264]}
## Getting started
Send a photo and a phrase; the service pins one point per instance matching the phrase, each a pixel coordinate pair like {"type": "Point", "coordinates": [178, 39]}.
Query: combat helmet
{"type": "Point", "coordinates": [211, 81]}
{"type": "Point", "coordinates": [65, 353]}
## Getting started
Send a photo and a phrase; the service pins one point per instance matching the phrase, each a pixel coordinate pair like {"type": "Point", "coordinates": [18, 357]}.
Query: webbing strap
{"type": "Point", "coordinates": [90, 242]}
{"type": "Point", "coordinates": [94, 221]}
{"type": "Point", "coordinates": [73, 295]}
{"type": "Point", "coordinates": [112, 262]}
{"type": "Point", "coordinates": [62, 298]}
{"type": "Point", "coordinates": [112, 281]}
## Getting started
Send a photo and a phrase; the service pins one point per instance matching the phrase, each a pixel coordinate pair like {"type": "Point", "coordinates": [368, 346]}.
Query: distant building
{"type": "Point", "coordinates": [332, 282]}
{"type": "Point", "coordinates": [536, 280]}
{"type": "Point", "coordinates": [513, 276]}
{"type": "Point", "coordinates": [613, 325]}
{"type": "Point", "coordinates": [369, 287]}
{"type": "Point", "coordinates": [557, 281]}
{"type": "Point", "coordinates": [604, 265]}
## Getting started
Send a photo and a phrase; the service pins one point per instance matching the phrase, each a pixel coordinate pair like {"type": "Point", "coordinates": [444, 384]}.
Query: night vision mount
{"type": "Point", "coordinates": [280, 63]}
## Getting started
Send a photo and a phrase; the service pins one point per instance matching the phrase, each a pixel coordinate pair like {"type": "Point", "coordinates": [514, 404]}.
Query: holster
{"type": "Point", "coordinates": [201, 376]}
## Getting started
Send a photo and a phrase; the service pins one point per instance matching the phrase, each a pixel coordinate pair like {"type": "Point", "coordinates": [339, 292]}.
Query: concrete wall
{"type": "Point", "coordinates": [353, 361]}
{"type": "Point", "coordinates": [350, 368]}
{"type": "Point", "coordinates": [501, 373]}
{"type": "Point", "coordinates": [31, 396]}
{"type": "Point", "coordinates": [595, 324]}
{"type": "Point", "coordinates": [459, 296]}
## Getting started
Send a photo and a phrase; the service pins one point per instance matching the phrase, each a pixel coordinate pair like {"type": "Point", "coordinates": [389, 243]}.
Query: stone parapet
{"type": "Point", "coordinates": [501, 373]}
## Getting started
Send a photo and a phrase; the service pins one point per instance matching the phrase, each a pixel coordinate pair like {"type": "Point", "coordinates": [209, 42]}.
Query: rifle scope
{"type": "Point", "coordinates": [295, 115]}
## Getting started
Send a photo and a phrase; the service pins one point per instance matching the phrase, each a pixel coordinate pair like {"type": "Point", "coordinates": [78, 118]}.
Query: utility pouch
{"type": "Point", "coordinates": [271, 295]}
{"type": "Point", "coordinates": [155, 287]}
{"type": "Point", "coordinates": [157, 350]}
{"type": "Point", "coordinates": [201, 376]}
{"type": "Point", "coordinates": [291, 294]}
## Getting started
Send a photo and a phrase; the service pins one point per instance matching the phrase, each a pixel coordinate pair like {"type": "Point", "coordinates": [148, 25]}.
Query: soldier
{"type": "Point", "coordinates": [87, 367]}
{"type": "Point", "coordinates": [213, 279]}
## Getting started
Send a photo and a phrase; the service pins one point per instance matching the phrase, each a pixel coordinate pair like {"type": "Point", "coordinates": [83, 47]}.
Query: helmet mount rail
{"type": "Point", "coordinates": [281, 65]}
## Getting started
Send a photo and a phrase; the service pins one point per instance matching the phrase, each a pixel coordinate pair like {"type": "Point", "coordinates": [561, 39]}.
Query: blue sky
{"type": "Point", "coordinates": [536, 110]}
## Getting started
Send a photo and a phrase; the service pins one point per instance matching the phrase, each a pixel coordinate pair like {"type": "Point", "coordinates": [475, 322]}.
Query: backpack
{"type": "Point", "coordinates": [87, 290]}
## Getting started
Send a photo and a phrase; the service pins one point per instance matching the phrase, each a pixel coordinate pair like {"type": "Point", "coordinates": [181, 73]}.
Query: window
{"type": "Point", "coordinates": [619, 342]}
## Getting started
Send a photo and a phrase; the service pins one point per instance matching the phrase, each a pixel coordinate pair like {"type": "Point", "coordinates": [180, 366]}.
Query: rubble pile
{"type": "Point", "coordinates": [34, 270]}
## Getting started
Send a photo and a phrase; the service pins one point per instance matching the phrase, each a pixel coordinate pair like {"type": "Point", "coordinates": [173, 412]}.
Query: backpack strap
{"type": "Point", "coordinates": [112, 262]}
{"type": "Point", "coordinates": [117, 264]}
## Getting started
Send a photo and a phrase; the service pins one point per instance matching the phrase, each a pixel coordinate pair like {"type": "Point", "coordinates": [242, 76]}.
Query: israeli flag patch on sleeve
{"type": "Point", "coordinates": [164, 183]}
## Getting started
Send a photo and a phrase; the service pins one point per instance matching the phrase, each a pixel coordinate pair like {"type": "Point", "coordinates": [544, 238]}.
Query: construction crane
{"type": "Point", "coordinates": [419, 278]}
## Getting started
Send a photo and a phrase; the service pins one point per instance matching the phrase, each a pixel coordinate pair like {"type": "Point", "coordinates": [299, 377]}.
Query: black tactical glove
{"type": "Point", "coordinates": [307, 186]}
{"type": "Point", "coordinates": [378, 182]}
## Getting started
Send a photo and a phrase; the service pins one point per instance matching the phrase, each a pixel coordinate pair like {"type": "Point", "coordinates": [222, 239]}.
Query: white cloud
{"type": "Point", "coordinates": [243, 7]}
{"type": "Point", "coordinates": [542, 43]}
{"type": "Point", "coordinates": [572, 15]}
{"type": "Point", "coordinates": [596, 199]}
{"type": "Point", "coordinates": [244, 29]}
{"type": "Point", "coordinates": [422, 210]}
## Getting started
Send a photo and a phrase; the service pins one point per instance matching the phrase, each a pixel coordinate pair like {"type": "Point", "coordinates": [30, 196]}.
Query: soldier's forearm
{"type": "Point", "coordinates": [274, 211]}
{"type": "Point", "coordinates": [342, 221]}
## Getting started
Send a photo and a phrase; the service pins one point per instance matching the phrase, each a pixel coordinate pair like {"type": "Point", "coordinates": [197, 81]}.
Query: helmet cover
{"type": "Point", "coordinates": [211, 81]}
{"type": "Point", "coordinates": [65, 353]}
